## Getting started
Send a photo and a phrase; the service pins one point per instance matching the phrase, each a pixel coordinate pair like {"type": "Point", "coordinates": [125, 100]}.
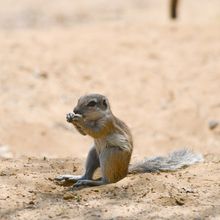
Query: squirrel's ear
{"type": "Point", "coordinates": [104, 102]}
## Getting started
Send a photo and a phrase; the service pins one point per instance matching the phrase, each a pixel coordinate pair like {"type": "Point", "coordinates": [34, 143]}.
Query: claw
{"type": "Point", "coordinates": [79, 183]}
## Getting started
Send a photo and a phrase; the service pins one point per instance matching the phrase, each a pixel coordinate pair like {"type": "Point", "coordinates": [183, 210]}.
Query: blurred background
{"type": "Point", "coordinates": [162, 76]}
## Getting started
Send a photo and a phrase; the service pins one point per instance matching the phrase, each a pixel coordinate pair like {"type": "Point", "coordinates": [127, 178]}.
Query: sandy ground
{"type": "Point", "coordinates": [162, 79]}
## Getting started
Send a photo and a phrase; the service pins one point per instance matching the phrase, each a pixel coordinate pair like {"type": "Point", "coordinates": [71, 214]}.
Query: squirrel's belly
{"type": "Point", "coordinates": [100, 145]}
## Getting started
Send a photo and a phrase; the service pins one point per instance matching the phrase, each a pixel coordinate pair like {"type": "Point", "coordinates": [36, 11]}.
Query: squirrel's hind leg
{"type": "Point", "coordinates": [92, 163]}
{"type": "Point", "coordinates": [114, 167]}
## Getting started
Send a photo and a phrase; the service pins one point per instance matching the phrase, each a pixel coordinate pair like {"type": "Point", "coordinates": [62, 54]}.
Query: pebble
{"type": "Point", "coordinates": [180, 201]}
{"type": "Point", "coordinates": [31, 203]}
{"type": "Point", "coordinates": [213, 124]}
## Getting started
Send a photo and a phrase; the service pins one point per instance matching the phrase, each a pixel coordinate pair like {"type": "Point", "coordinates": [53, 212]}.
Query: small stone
{"type": "Point", "coordinates": [68, 196]}
{"type": "Point", "coordinates": [95, 190]}
{"type": "Point", "coordinates": [5, 152]}
{"type": "Point", "coordinates": [143, 195]}
{"type": "Point", "coordinates": [3, 173]}
{"type": "Point", "coordinates": [213, 124]}
{"type": "Point", "coordinates": [180, 201]}
{"type": "Point", "coordinates": [41, 74]}
{"type": "Point", "coordinates": [31, 203]}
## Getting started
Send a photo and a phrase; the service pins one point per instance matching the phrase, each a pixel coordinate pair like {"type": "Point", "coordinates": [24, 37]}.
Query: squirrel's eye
{"type": "Point", "coordinates": [92, 103]}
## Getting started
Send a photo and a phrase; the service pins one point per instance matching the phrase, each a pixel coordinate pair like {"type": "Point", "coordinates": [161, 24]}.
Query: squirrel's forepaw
{"type": "Point", "coordinates": [69, 117]}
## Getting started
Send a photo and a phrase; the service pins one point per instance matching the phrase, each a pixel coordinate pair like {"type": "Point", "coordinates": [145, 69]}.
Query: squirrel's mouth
{"type": "Point", "coordinates": [77, 115]}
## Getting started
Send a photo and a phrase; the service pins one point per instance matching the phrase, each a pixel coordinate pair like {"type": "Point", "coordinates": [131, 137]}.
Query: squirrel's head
{"type": "Point", "coordinates": [92, 106]}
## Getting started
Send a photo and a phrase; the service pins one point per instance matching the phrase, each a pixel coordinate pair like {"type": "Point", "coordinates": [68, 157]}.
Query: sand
{"type": "Point", "coordinates": [162, 78]}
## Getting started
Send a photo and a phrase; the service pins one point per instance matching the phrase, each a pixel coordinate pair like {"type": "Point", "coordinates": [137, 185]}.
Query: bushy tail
{"type": "Point", "coordinates": [176, 160]}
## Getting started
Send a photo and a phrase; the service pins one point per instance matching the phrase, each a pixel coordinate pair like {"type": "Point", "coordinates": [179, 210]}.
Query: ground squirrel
{"type": "Point", "coordinates": [113, 145]}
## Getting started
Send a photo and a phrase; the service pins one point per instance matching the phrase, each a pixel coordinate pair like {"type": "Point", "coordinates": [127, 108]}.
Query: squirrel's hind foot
{"type": "Point", "coordinates": [66, 180]}
{"type": "Point", "coordinates": [89, 183]}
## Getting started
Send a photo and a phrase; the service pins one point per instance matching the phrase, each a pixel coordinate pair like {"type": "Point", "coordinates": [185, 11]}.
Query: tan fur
{"type": "Point", "coordinates": [115, 165]}
{"type": "Point", "coordinates": [106, 128]}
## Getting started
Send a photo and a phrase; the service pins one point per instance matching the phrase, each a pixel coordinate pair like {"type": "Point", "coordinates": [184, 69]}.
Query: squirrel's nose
{"type": "Point", "coordinates": [77, 111]}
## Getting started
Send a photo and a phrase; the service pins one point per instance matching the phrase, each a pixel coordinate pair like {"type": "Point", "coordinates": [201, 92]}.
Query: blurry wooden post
{"type": "Point", "coordinates": [173, 8]}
